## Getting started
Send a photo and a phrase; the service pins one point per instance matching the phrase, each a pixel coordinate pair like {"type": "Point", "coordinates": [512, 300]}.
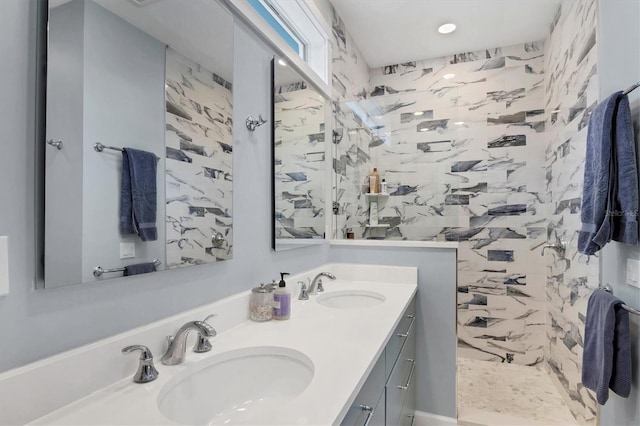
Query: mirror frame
{"type": "Point", "coordinates": [272, 140]}
{"type": "Point", "coordinates": [328, 158]}
{"type": "Point", "coordinates": [40, 118]}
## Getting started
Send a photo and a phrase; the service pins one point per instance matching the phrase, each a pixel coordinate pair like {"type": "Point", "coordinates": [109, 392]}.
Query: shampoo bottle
{"type": "Point", "coordinates": [281, 300]}
{"type": "Point", "coordinates": [374, 181]}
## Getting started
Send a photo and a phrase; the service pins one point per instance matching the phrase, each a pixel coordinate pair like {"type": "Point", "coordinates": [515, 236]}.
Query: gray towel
{"type": "Point", "coordinates": [610, 194]}
{"type": "Point", "coordinates": [606, 360]}
{"type": "Point", "coordinates": [625, 196]}
{"type": "Point", "coordinates": [138, 197]}
{"type": "Point", "coordinates": [139, 268]}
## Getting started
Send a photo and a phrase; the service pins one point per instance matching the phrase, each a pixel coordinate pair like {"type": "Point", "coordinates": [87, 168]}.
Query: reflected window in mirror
{"type": "Point", "coordinates": [152, 82]}
{"type": "Point", "coordinates": [299, 159]}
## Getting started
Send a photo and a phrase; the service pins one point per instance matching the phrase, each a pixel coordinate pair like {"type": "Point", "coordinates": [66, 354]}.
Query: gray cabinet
{"type": "Point", "coordinates": [388, 395]}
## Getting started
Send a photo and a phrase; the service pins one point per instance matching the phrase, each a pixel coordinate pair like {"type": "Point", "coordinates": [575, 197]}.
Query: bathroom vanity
{"type": "Point", "coordinates": [345, 355]}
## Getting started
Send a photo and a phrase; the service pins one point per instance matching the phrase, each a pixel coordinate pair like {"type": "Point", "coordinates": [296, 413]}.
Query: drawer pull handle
{"type": "Point", "coordinates": [369, 411]}
{"type": "Point", "coordinates": [413, 368]}
{"type": "Point", "coordinates": [406, 333]}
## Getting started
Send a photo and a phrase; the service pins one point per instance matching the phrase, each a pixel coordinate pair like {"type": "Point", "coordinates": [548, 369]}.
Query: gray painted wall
{"type": "Point", "coordinates": [619, 67]}
{"type": "Point", "coordinates": [124, 77]}
{"type": "Point", "coordinates": [436, 316]}
{"type": "Point", "coordinates": [37, 324]}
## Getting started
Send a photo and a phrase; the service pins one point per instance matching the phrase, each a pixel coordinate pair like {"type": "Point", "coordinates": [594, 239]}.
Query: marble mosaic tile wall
{"type": "Point", "coordinates": [350, 81]}
{"type": "Point", "coordinates": [199, 147]}
{"type": "Point", "coordinates": [463, 158]}
{"type": "Point", "coordinates": [299, 116]}
{"type": "Point", "coordinates": [571, 84]}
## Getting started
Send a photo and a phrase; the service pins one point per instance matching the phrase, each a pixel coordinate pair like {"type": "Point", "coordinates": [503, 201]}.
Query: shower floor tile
{"type": "Point", "coordinates": [491, 393]}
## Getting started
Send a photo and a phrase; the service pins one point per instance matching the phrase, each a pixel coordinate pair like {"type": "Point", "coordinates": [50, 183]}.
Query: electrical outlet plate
{"type": "Point", "coordinates": [127, 250]}
{"type": "Point", "coordinates": [633, 272]}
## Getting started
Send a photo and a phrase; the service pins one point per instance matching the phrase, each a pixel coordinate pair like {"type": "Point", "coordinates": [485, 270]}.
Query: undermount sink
{"type": "Point", "coordinates": [348, 299]}
{"type": "Point", "coordinates": [244, 386]}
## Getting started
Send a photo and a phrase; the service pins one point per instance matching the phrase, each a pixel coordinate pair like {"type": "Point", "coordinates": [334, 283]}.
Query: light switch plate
{"type": "Point", "coordinates": [4, 266]}
{"type": "Point", "coordinates": [633, 272]}
{"type": "Point", "coordinates": [127, 250]}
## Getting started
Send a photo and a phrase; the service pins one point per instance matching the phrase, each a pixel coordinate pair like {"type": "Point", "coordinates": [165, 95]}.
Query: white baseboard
{"type": "Point", "coordinates": [428, 419]}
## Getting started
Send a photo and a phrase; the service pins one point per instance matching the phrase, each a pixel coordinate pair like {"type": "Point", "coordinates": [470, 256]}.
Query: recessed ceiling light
{"type": "Point", "coordinates": [418, 113]}
{"type": "Point", "coordinates": [281, 62]}
{"type": "Point", "coordinates": [425, 129]}
{"type": "Point", "coordinates": [458, 123]}
{"type": "Point", "coordinates": [448, 76]}
{"type": "Point", "coordinates": [447, 28]}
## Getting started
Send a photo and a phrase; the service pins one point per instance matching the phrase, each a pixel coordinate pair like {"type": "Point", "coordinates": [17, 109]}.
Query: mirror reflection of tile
{"type": "Point", "coordinates": [299, 161]}
{"type": "Point", "coordinates": [199, 146]}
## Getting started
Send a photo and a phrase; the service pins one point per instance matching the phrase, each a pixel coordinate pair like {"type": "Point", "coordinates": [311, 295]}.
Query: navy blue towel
{"type": "Point", "coordinates": [624, 218]}
{"type": "Point", "coordinates": [139, 268]}
{"type": "Point", "coordinates": [610, 194]}
{"type": "Point", "coordinates": [138, 195]}
{"type": "Point", "coordinates": [606, 360]}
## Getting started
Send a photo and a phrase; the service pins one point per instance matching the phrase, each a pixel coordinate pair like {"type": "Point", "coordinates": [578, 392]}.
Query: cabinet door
{"type": "Point", "coordinates": [367, 415]}
{"type": "Point", "coordinates": [400, 388]}
{"type": "Point", "coordinates": [404, 330]}
{"type": "Point", "coordinates": [369, 396]}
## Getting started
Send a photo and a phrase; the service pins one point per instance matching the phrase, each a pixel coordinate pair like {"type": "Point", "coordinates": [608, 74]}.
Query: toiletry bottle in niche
{"type": "Point", "coordinates": [373, 213]}
{"type": "Point", "coordinates": [383, 186]}
{"type": "Point", "coordinates": [374, 181]}
{"type": "Point", "coordinates": [281, 300]}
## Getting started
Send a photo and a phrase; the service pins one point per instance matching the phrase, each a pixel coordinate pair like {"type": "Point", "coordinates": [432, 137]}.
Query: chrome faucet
{"type": "Point", "coordinates": [202, 343]}
{"type": "Point", "coordinates": [178, 344]}
{"type": "Point", "coordinates": [316, 283]}
{"type": "Point", "coordinates": [146, 370]}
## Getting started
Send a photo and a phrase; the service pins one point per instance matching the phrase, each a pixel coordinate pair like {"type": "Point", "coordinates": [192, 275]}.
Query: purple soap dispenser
{"type": "Point", "coordinates": [281, 300]}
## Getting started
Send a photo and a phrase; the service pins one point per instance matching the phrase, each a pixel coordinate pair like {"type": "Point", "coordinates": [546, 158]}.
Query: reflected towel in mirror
{"type": "Point", "coordinates": [139, 268]}
{"type": "Point", "coordinates": [138, 196]}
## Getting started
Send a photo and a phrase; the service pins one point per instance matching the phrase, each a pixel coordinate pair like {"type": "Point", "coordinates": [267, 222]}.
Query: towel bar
{"type": "Point", "coordinates": [99, 147]}
{"type": "Point", "coordinates": [98, 271]}
{"type": "Point", "coordinates": [609, 289]}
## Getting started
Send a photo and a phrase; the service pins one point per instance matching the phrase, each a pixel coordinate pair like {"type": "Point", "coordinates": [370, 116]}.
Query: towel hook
{"type": "Point", "coordinates": [252, 123]}
{"type": "Point", "coordinates": [56, 144]}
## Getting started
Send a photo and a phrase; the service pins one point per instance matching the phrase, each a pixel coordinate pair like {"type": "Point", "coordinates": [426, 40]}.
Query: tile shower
{"type": "Point", "coordinates": [490, 156]}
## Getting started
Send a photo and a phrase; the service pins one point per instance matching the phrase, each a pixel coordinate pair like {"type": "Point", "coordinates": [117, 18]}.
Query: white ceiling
{"type": "Point", "coordinates": [395, 31]}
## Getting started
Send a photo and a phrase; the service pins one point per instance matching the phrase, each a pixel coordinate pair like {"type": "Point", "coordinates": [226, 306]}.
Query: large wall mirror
{"type": "Point", "coordinates": [138, 138]}
{"type": "Point", "coordinates": [299, 128]}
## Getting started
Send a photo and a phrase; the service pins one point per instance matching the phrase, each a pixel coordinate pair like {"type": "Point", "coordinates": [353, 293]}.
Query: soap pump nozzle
{"type": "Point", "coordinates": [282, 283]}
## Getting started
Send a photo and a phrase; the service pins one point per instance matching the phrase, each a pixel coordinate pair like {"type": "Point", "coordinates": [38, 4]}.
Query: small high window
{"type": "Point", "coordinates": [300, 28]}
{"type": "Point", "coordinates": [266, 10]}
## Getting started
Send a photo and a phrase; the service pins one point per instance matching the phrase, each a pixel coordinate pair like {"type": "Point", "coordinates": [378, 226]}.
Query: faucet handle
{"type": "Point", "coordinates": [146, 370]}
{"type": "Point", "coordinates": [202, 343]}
{"type": "Point", "coordinates": [303, 291]}
{"type": "Point", "coordinates": [319, 286]}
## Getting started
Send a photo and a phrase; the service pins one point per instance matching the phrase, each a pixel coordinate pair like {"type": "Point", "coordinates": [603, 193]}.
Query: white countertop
{"type": "Point", "coordinates": [343, 345]}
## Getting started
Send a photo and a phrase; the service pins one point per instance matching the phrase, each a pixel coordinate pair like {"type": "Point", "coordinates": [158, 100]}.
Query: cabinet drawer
{"type": "Point", "coordinates": [370, 395]}
{"type": "Point", "coordinates": [364, 415]}
{"type": "Point", "coordinates": [404, 330]}
{"type": "Point", "coordinates": [401, 382]}
{"type": "Point", "coordinates": [409, 409]}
